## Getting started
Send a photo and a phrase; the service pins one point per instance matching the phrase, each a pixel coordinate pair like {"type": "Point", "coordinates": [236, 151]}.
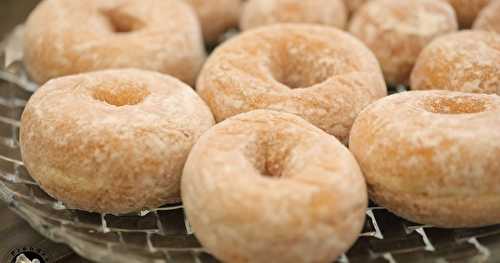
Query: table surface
{"type": "Point", "coordinates": [16, 233]}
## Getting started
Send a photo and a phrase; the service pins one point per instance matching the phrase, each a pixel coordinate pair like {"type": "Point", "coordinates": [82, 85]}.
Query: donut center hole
{"type": "Point", "coordinates": [121, 22]}
{"type": "Point", "coordinates": [271, 170]}
{"type": "Point", "coordinates": [456, 105]}
{"type": "Point", "coordinates": [270, 152]}
{"type": "Point", "coordinates": [122, 95]}
{"type": "Point", "coordinates": [301, 65]}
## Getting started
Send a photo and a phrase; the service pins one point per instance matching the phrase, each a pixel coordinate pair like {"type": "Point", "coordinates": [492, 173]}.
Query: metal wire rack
{"type": "Point", "coordinates": [164, 235]}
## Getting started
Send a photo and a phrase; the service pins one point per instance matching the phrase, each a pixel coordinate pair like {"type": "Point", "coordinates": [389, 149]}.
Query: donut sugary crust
{"type": "Point", "coordinates": [216, 16]}
{"type": "Point", "coordinates": [267, 186]}
{"type": "Point", "coordinates": [319, 73]}
{"type": "Point", "coordinates": [85, 150]}
{"type": "Point", "coordinates": [468, 10]}
{"type": "Point", "coordinates": [397, 31]}
{"type": "Point", "coordinates": [489, 18]}
{"type": "Point", "coordinates": [467, 61]}
{"type": "Point", "coordinates": [432, 156]}
{"type": "Point", "coordinates": [69, 37]}
{"type": "Point", "coordinates": [265, 12]}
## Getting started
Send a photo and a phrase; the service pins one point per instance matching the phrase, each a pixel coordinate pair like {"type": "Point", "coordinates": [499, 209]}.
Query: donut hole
{"type": "Point", "coordinates": [122, 95]}
{"type": "Point", "coordinates": [300, 64]}
{"type": "Point", "coordinates": [270, 155]}
{"type": "Point", "coordinates": [121, 22]}
{"type": "Point", "coordinates": [456, 105]}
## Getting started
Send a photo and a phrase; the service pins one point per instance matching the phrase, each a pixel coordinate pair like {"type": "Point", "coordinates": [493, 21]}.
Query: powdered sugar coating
{"type": "Point", "coordinates": [265, 12]}
{"type": "Point", "coordinates": [319, 73]}
{"type": "Point", "coordinates": [489, 18]}
{"type": "Point", "coordinates": [112, 141]}
{"type": "Point", "coordinates": [397, 31]}
{"type": "Point", "coordinates": [216, 16]}
{"type": "Point", "coordinates": [444, 149]}
{"type": "Point", "coordinates": [467, 61]}
{"type": "Point", "coordinates": [68, 37]}
{"type": "Point", "coordinates": [267, 186]}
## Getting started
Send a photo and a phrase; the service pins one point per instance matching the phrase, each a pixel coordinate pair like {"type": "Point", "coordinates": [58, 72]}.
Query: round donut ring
{"type": "Point", "coordinates": [398, 30]}
{"type": "Point", "coordinates": [112, 141]}
{"type": "Point", "coordinates": [268, 186]}
{"type": "Point", "coordinates": [432, 157]}
{"type": "Point", "coordinates": [69, 37]}
{"type": "Point", "coordinates": [320, 73]}
{"type": "Point", "coordinates": [466, 61]}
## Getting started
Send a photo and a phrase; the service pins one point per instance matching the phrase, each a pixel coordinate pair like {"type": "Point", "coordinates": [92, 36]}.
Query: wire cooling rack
{"type": "Point", "coordinates": [163, 234]}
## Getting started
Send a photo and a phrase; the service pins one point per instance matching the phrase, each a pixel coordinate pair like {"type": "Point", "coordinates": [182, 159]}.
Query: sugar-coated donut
{"type": "Point", "coordinates": [267, 186]}
{"type": "Point", "coordinates": [467, 61]}
{"type": "Point", "coordinates": [319, 73]}
{"type": "Point", "coordinates": [467, 10]}
{"type": "Point", "coordinates": [354, 5]}
{"type": "Point", "coordinates": [397, 31]}
{"type": "Point", "coordinates": [489, 18]}
{"type": "Point", "coordinates": [265, 12]}
{"type": "Point", "coordinates": [216, 16]}
{"type": "Point", "coordinates": [112, 141]}
{"type": "Point", "coordinates": [68, 37]}
{"type": "Point", "coordinates": [433, 156]}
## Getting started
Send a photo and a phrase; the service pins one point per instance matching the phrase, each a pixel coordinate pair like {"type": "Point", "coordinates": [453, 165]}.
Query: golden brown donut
{"type": "Point", "coordinates": [467, 61]}
{"type": "Point", "coordinates": [467, 10]}
{"type": "Point", "coordinates": [397, 31]}
{"type": "Point", "coordinates": [68, 37]}
{"type": "Point", "coordinates": [432, 157]}
{"type": "Point", "coordinates": [267, 186]}
{"type": "Point", "coordinates": [319, 73]}
{"type": "Point", "coordinates": [216, 16]}
{"type": "Point", "coordinates": [112, 141]}
{"type": "Point", "coordinates": [265, 12]}
{"type": "Point", "coordinates": [489, 18]}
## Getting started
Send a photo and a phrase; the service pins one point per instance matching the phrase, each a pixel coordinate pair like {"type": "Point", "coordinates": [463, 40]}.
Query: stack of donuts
{"type": "Point", "coordinates": [275, 142]}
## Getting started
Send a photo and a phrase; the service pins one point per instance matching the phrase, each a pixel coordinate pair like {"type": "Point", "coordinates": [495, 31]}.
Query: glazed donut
{"type": "Point", "coordinates": [112, 141]}
{"type": "Point", "coordinates": [285, 191]}
{"type": "Point", "coordinates": [467, 61]}
{"type": "Point", "coordinates": [216, 16]}
{"type": "Point", "coordinates": [68, 37]}
{"type": "Point", "coordinates": [467, 10]}
{"type": "Point", "coordinates": [265, 12]}
{"type": "Point", "coordinates": [489, 19]}
{"type": "Point", "coordinates": [444, 149]}
{"type": "Point", "coordinates": [319, 73]}
{"type": "Point", "coordinates": [397, 31]}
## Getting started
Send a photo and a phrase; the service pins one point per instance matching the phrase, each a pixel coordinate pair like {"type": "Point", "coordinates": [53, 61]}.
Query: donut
{"type": "Point", "coordinates": [488, 19]}
{"type": "Point", "coordinates": [397, 31]}
{"type": "Point", "coordinates": [467, 10]}
{"type": "Point", "coordinates": [265, 12]}
{"type": "Point", "coordinates": [113, 141]}
{"type": "Point", "coordinates": [285, 191]}
{"type": "Point", "coordinates": [467, 61]}
{"type": "Point", "coordinates": [444, 148]}
{"type": "Point", "coordinates": [69, 37]}
{"type": "Point", "coordinates": [319, 73]}
{"type": "Point", "coordinates": [354, 5]}
{"type": "Point", "coordinates": [216, 17]}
